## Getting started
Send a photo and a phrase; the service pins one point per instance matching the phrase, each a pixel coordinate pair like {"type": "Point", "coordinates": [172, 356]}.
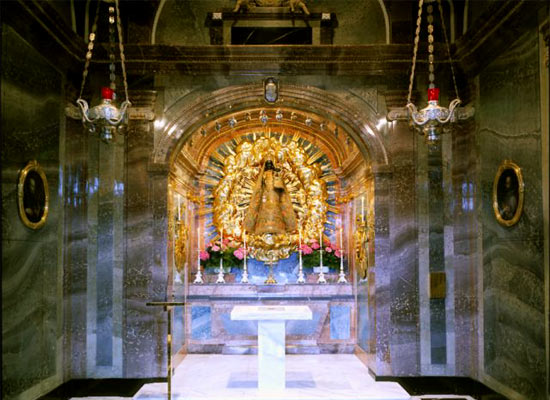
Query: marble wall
{"type": "Point", "coordinates": [512, 268]}
{"type": "Point", "coordinates": [32, 93]}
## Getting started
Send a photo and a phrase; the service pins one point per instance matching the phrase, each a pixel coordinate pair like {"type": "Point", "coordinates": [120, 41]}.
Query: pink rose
{"type": "Point", "coordinates": [333, 246]}
{"type": "Point", "coordinates": [338, 253]}
{"type": "Point", "coordinates": [315, 246]}
{"type": "Point", "coordinates": [239, 254]}
{"type": "Point", "coordinates": [306, 249]}
{"type": "Point", "coordinates": [204, 255]}
{"type": "Point", "coordinates": [215, 248]}
{"type": "Point", "coordinates": [226, 241]}
{"type": "Point", "coordinates": [328, 249]}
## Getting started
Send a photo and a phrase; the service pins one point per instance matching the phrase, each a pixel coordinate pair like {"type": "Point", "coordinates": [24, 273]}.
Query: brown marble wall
{"type": "Point", "coordinates": [32, 94]}
{"type": "Point", "coordinates": [513, 296]}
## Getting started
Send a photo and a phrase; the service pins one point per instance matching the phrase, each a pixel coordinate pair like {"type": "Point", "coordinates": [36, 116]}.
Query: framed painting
{"type": "Point", "coordinates": [508, 193]}
{"type": "Point", "coordinates": [33, 197]}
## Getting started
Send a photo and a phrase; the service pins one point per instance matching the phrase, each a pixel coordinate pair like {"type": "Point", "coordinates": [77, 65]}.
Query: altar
{"type": "Point", "coordinates": [271, 339]}
{"type": "Point", "coordinates": [210, 329]}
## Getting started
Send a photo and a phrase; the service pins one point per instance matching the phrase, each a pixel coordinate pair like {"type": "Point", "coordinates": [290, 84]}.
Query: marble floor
{"type": "Point", "coordinates": [226, 377]}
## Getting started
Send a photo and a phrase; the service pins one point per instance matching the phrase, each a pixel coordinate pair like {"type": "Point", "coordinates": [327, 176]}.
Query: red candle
{"type": "Point", "coordinates": [433, 94]}
{"type": "Point", "coordinates": [107, 93]}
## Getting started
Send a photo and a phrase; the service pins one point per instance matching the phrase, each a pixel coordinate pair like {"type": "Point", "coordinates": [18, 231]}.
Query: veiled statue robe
{"type": "Point", "coordinates": [270, 209]}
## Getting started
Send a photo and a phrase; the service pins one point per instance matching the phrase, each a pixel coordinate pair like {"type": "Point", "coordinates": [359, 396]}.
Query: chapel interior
{"type": "Point", "coordinates": [381, 164]}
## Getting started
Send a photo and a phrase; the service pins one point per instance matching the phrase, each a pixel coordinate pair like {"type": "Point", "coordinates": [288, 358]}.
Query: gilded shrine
{"type": "Point", "coordinates": [283, 199]}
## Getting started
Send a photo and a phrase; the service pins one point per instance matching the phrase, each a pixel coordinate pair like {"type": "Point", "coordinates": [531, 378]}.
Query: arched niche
{"type": "Point", "coordinates": [184, 118]}
{"type": "Point", "coordinates": [180, 145]}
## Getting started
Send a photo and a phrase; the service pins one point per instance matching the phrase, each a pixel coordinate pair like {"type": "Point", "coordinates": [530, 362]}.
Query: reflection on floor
{"type": "Point", "coordinates": [225, 377]}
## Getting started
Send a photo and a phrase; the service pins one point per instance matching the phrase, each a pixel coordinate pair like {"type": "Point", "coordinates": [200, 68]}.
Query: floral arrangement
{"type": "Point", "coordinates": [233, 254]}
{"type": "Point", "coordinates": [229, 249]}
{"type": "Point", "coordinates": [331, 254]}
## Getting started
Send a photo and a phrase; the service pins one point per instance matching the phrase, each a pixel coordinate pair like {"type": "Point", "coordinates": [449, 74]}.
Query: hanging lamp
{"type": "Point", "coordinates": [432, 119]}
{"type": "Point", "coordinates": [106, 118]}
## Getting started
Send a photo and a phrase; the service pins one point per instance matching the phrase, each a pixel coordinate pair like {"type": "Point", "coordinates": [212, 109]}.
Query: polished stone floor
{"type": "Point", "coordinates": [226, 377]}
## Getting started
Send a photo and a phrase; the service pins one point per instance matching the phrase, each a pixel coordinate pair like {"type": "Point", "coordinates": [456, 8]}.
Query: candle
{"type": "Point", "coordinates": [244, 245]}
{"type": "Point", "coordinates": [199, 246]}
{"type": "Point", "coordinates": [321, 249]}
{"type": "Point", "coordinates": [301, 278]}
{"type": "Point", "coordinates": [341, 251]}
{"type": "Point", "coordinates": [433, 94]}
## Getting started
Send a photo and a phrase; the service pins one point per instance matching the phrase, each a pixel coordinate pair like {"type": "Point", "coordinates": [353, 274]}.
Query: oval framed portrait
{"type": "Point", "coordinates": [33, 197]}
{"type": "Point", "coordinates": [508, 193]}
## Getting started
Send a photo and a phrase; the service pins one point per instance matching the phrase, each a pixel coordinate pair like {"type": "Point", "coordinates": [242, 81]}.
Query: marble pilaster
{"type": "Point", "coordinates": [465, 249]}
{"type": "Point", "coordinates": [144, 332]}
{"type": "Point", "coordinates": [76, 249]}
{"type": "Point", "coordinates": [380, 360]}
{"type": "Point", "coordinates": [436, 250]}
{"type": "Point", "coordinates": [403, 259]}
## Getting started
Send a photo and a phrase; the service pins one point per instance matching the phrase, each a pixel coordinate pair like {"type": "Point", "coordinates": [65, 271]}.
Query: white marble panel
{"type": "Point", "coordinates": [270, 312]}
{"type": "Point", "coordinates": [271, 355]}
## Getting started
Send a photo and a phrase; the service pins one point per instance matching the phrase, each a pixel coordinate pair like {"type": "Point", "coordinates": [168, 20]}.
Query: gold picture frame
{"type": "Point", "coordinates": [33, 195]}
{"type": "Point", "coordinates": [508, 193]}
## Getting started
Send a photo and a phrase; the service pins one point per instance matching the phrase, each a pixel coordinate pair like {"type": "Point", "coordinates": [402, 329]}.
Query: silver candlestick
{"type": "Point", "coordinates": [198, 276]}
{"type": "Point", "coordinates": [221, 278]}
{"type": "Point", "coordinates": [321, 278]}
{"type": "Point", "coordinates": [301, 277]}
{"type": "Point", "coordinates": [341, 276]}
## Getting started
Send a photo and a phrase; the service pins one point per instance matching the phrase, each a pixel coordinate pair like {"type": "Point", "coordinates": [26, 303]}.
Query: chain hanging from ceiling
{"type": "Point", "coordinates": [431, 119]}
{"type": "Point", "coordinates": [106, 118]}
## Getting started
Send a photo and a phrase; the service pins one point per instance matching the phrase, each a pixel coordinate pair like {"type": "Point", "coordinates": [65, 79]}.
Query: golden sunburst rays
{"type": "Point", "coordinates": [231, 175]}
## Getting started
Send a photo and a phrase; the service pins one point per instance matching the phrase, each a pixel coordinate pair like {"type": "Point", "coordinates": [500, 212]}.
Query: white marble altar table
{"type": "Point", "coordinates": [271, 339]}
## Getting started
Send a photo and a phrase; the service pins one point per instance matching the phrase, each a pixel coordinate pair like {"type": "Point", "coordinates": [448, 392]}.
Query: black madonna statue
{"type": "Point", "coordinates": [270, 210]}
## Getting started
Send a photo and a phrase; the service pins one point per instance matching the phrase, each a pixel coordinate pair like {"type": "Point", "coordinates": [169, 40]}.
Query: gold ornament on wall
{"type": "Point", "coordinates": [33, 195]}
{"type": "Point", "coordinates": [508, 193]}
{"type": "Point", "coordinates": [361, 240]}
{"type": "Point", "coordinates": [267, 185]}
{"type": "Point", "coordinates": [181, 245]}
